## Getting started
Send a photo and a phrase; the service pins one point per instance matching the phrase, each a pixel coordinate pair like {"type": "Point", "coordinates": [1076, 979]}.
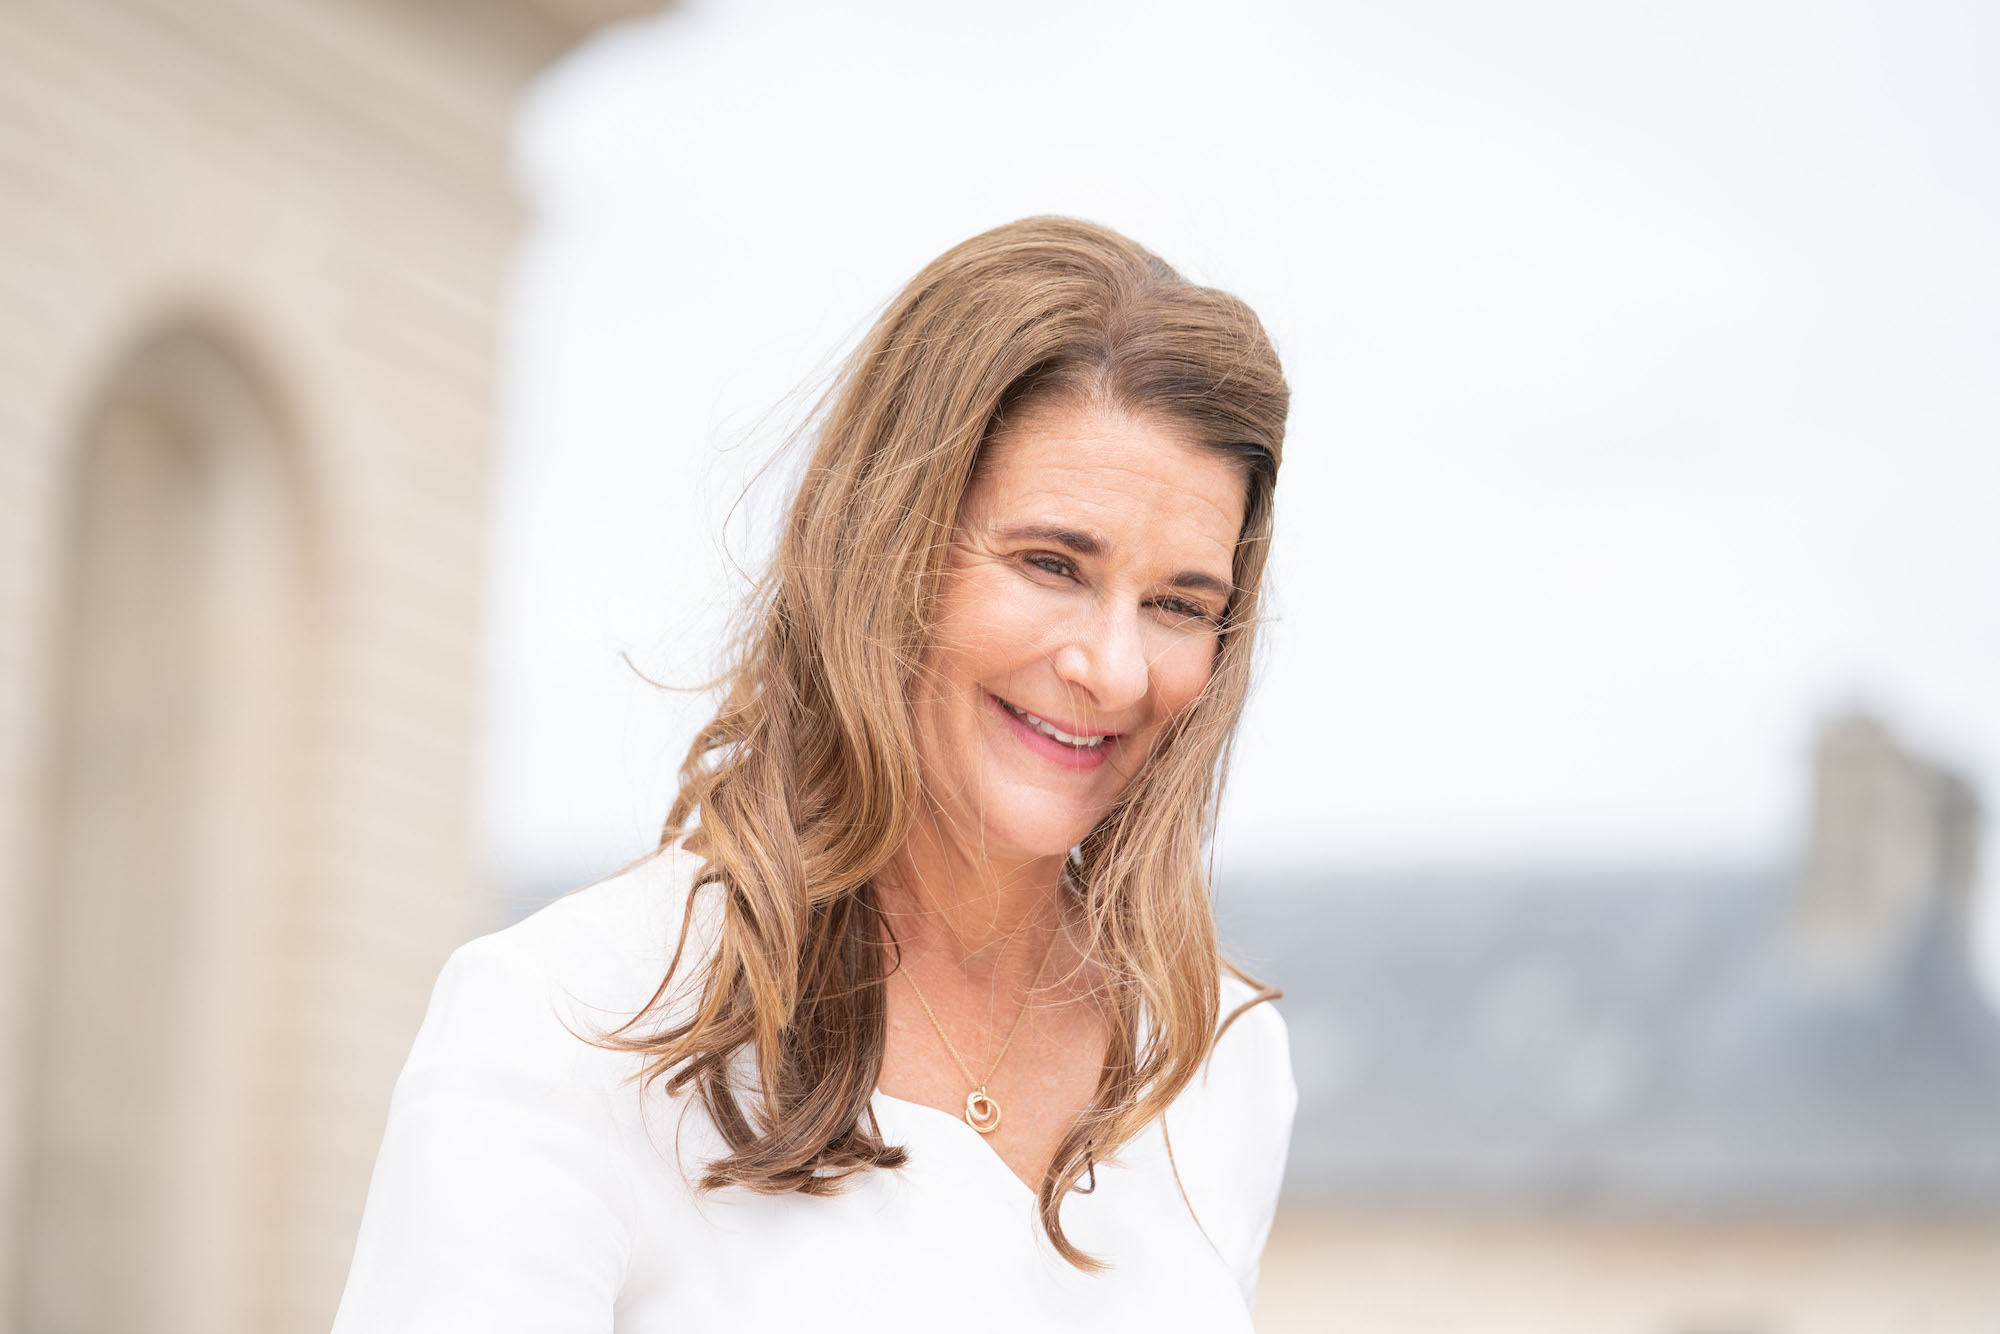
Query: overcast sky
{"type": "Point", "coordinates": [1645, 405]}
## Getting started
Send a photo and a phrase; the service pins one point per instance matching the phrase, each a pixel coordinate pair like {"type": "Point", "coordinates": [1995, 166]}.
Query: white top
{"type": "Point", "coordinates": [524, 1188]}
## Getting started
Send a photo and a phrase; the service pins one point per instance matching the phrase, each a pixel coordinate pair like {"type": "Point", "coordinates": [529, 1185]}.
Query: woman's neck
{"type": "Point", "coordinates": [988, 919]}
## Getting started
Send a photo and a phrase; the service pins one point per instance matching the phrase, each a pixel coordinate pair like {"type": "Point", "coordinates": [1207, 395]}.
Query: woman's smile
{"type": "Point", "coordinates": [1075, 750]}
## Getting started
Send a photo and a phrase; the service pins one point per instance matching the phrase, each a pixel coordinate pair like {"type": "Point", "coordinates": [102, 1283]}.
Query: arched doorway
{"type": "Point", "coordinates": [155, 1093]}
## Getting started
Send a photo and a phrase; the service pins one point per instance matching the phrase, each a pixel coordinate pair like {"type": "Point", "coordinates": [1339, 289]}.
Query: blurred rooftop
{"type": "Point", "coordinates": [1668, 1042]}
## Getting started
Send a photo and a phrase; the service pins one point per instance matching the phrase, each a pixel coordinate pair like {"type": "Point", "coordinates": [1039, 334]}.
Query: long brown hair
{"type": "Point", "coordinates": [805, 783]}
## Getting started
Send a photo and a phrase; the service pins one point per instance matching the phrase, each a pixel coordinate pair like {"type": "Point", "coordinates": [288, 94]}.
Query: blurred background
{"type": "Point", "coordinates": [386, 386]}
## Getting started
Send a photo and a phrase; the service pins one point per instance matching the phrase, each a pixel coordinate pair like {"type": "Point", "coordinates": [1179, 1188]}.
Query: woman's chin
{"type": "Point", "coordinates": [1015, 821]}
{"type": "Point", "coordinates": [1026, 837]}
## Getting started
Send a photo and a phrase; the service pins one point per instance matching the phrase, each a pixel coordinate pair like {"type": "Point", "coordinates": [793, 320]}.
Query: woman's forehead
{"type": "Point", "coordinates": [1108, 479]}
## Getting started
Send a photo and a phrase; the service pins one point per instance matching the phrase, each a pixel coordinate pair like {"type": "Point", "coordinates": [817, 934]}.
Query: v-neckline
{"type": "Point", "coordinates": [962, 1128]}
{"type": "Point", "coordinates": [1033, 1193]}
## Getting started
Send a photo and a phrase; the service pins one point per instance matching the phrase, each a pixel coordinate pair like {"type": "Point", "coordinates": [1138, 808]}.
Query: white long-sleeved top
{"type": "Point", "coordinates": [527, 1185]}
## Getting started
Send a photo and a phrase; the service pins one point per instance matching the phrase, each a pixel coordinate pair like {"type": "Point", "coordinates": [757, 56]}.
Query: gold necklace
{"type": "Point", "coordinates": [982, 1112]}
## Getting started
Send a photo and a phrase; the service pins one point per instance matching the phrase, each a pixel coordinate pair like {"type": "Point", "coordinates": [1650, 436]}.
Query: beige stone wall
{"type": "Point", "coordinates": [312, 196]}
{"type": "Point", "coordinates": [1388, 1274]}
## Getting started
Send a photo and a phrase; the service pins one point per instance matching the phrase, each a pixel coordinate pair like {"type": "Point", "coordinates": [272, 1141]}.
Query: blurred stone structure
{"type": "Point", "coordinates": [1671, 1103]}
{"type": "Point", "coordinates": [252, 257]}
{"type": "Point", "coordinates": [1895, 850]}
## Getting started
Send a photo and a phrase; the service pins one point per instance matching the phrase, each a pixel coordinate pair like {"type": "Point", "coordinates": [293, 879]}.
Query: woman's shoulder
{"type": "Point", "coordinates": [623, 927]}
{"type": "Point", "coordinates": [1251, 1061]}
{"type": "Point", "coordinates": [1240, 1106]}
{"type": "Point", "coordinates": [610, 943]}
{"type": "Point", "coordinates": [502, 1199]}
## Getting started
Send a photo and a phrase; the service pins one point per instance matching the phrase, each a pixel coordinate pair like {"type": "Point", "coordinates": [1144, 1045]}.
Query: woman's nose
{"type": "Point", "coordinates": [1106, 660]}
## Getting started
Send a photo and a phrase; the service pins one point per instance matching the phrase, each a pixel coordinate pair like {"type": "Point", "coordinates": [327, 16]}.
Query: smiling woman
{"type": "Point", "coordinates": [926, 952]}
{"type": "Point", "coordinates": [1077, 616]}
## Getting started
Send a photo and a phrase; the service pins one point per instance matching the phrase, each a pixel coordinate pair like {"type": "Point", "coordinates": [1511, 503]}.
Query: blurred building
{"type": "Point", "coordinates": [252, 257]}
{"type": "Point", "coordinates": [1667, 1104]}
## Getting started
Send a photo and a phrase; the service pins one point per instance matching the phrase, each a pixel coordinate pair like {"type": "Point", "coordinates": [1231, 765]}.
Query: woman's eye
{"type": "Point", "coordinates": [1052, 564]}
{"type": "Point", "coordinates": [1182, 607]}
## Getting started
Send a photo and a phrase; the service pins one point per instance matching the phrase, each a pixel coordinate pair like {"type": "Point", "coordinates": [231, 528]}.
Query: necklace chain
{"type": "Point", "coordinates": [982, 1113]}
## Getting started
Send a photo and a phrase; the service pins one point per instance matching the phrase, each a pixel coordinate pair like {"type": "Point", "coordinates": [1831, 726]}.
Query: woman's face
{"type": "Point", "coordinates": [1080, 607]}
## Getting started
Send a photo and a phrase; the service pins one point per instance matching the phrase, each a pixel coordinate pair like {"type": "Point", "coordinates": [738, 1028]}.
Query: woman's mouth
{"type": "Point", "coordinates": [1074, 750]}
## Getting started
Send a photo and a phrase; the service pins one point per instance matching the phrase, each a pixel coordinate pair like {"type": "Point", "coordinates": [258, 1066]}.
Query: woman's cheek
{"type": "Point", "coordinates": [1180, 674]}
{"type": "Point", "coordinates": [1012, 630]}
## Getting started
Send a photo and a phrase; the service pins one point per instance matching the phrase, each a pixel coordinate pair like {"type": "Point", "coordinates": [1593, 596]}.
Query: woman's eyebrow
{"type": "Point", "coordinates": [1195, 579]}
{"type": "Point", "coordinates": [1083, 544]}
{"type": "Point", "coordinates": [1089, 544]}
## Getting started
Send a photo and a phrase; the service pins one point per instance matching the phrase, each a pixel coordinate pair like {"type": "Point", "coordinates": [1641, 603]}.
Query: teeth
{"type": "Point", "coordinates": [1050, 730]}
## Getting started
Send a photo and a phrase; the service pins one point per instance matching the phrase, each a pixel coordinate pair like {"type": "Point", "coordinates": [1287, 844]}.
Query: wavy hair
{"type": "Point", "coordinates": [805, 784]}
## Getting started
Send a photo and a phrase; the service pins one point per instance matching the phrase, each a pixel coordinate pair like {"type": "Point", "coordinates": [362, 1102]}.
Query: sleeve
{"type": "Point", "coordinates": [497, 1204]}
{"type": "Point", "coordinates": [1262, 1060]}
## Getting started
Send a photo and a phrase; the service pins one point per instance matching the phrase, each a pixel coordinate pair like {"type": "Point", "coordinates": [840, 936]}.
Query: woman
{"type": "Point", "coordinates": [916, 1018]}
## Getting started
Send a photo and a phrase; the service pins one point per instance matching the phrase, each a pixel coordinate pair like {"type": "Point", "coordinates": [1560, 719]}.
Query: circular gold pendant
{"type": "Point", "coordinates": [981, 1112]}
